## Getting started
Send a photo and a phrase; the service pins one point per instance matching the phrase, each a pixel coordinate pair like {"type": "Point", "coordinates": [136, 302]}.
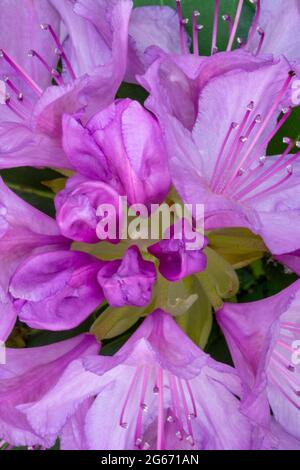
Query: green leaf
{"type": "Point", "coordinates": [56, 185]}
{"type": "Point", "coordinates": [27, 183]}
{"type": "Point", "coordinates": [291, 128]}
{"type": "Point", "coordinates": [239, 246]}
{"type": "Point", "coordinates": [197, 321]}
{"type": "Point", "coordinates": [115, 321]}
{"type": "Point", "coordinates": [219, 280]}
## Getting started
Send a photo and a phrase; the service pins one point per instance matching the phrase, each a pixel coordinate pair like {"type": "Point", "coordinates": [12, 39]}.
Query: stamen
{"type": "Point", "coordinates": [264, 144]}
{"type": "Point", "coordinates": [13, 87]}
{"type": "Point", "coordinates": [122, 422]}
{"type": "Point", "coordinates": [235, 25]}
{"type": "Point", "coordinates": [228, 20]}
{"type": "Point", "coordinates": [194, 412]}
{"type": "Point", "coordinates": [284, 345]}
{"type": "Point", "coordinates": [234, 150]}
{"type": "Point", "coordinates": [21, 73]}
{"type": "Point", "coordinates": [160, 420]}
{"type": "Point", "coordinates": [254, 23]}
{"type": "Point", "coordinates": [182, 23]}
{"type": "Point", "coordinates": [48, 27]}
{"type": "Point", "coordinates": [176, 405]}
{"type": "Point", "coordinates": [215, 28]}
{"type": "Point", "coordinates": [264, 124]}
{"type": "Point", "coordinates": [261, 40]}
{"type": "Point", "coordinates": [196, 30]}
{"type": "Point", "coordinates": [240, 41]}
{"type": "Point", "coordinates": [13, 108]}
{"type": "Point", "coordinates": [54, 73]}
{"type": "Point", "coordinates": [271, 188]}
{"type": "Point", "coordinates": [286, 165]}
{"type": "Point", "coordinates": [271, 171]}
{"type": "Point", "coordinates": [142, 408]}
{"type": "Point", "coordinates": [216, 173]}
{"type": "Point", "coordinates": [190, 436]}
{"type": "Point", "coordinates": [291, 326]}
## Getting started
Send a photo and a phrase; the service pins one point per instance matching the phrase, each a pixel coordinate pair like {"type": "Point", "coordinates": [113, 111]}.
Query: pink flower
{"type": "Point", "coordinates": [263, 338]}
{"type": "Point", "coordinates": [159, 391]}
{"type": "Point", "coordinates": [91, 39]}
{"type": "Point", "coordinates": [27, 376]}
{"type": "Point", "coordinates": [24, 232]}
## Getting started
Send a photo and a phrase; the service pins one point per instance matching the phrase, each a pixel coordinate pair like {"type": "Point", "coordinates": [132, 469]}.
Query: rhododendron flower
{"type": "Point", "coordinates": [38, 112]}
{"type": "Point", "coordinates": [277, 27]}
{"type": "Point", "coordinates": [24, 231]}
{"type": "Point", "coordinates": [265, 35]}
{"type": "Point", "coordinates": [32, 110]}
{"type": "Point", "coordinates": [27, 376]}
{"type": "Point", "coordinates": [59, 290]}
{"type": "Point", "coordinates": [128, 281]}
{"type": "Point", "coordinates": [181, 254]}
{"type": "Point", "coordinates": [159, 391]}
{"type": "Point", "coordinates": [120, 146]}
{"type": "Point", "coordinates": [221, 161]}
{"type": "Point", "coordinates": [263, 338]}
{"type": "Point", "coordinates": [156, 207]}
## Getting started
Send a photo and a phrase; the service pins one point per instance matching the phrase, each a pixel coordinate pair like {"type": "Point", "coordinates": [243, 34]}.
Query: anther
{"type": "Point", "coordinates": [261, 40]}
{"type": "Point", "coordinates": [21, 73]}
{"type": "Point", "coordinates": [262, 160]}
{"type": "Point", "coordinates": [54, 73]}
{"type": "Point", "coordinates": [196, 29]}
{"type": "Point", "coordinates": [48, 27]}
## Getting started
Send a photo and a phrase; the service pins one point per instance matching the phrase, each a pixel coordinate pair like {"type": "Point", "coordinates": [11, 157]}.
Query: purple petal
{"type": "Point", "coordinates": [291, 261]}
{"type": "Point", "coordinates": [27, 376]}
{"type": "Point", "coordinates": [20, 146]}
{"type": "Point", "coordinates": [137, 158]}
{"type": "Point", "coordinates": [280, 24]}
{"type": "Point", "coordinates": [178, 256]}
{"type": "Point", "coordinates": [255, 336]}
{"type": "Point", "coordinates": [128, 281]}
{"type": "Point", "coordinates": [70, 392]}
{"type": "Point", "coordinates": [150, 26]}
{"type": "Point", "coordinates": [58, 289]}
{"type": "Point", "coordinates": [23, 231]}
{"type": "Point", "coordinates": [20, 32]}
{"type": "Point", "coordinates": [77, 207]}
{"type": "Point", "coordinates": [176, 81]}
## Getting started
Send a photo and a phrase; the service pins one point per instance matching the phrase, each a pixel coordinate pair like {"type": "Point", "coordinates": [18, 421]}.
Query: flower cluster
{"type": "Point", "coordinates": [200, 138]}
